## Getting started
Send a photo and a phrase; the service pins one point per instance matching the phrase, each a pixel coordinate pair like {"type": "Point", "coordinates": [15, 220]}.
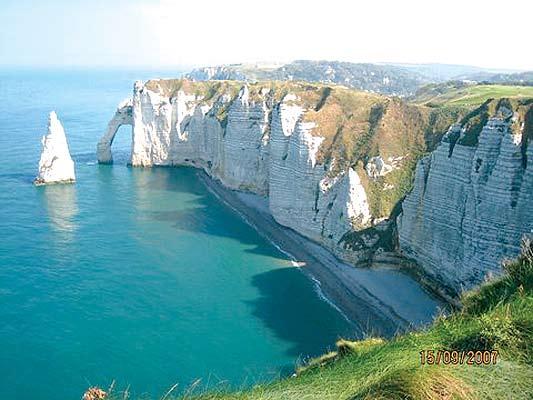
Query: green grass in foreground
{"type": "Point", "coordinates": [475, 95]}
{"type": "Point", "coordinates": [497, 316]}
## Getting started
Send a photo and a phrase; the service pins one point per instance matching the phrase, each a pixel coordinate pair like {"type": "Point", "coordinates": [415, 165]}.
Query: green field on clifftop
{"type": "Point", "coordinates": [460, 94]}
{"type": "Point", "coordinates": [498, 317]}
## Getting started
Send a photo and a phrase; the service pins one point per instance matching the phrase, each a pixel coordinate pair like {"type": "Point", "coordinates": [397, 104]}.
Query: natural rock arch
{"type": "Point", "coordinates": [123, 116]}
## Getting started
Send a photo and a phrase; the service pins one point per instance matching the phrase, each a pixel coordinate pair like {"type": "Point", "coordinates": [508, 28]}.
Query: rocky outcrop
{"type": "Point", "coordinates": [55, 164]}
{"type": "Point", "coordinates": [376, 166]}
{"type": "Point", "coordinates": [470, 204]}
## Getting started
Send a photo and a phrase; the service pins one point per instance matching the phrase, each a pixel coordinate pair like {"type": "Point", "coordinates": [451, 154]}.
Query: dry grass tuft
{"type": "Point", "coordinates": [94, 393]}
{"type": "Point", "coordinates": [428, 384]}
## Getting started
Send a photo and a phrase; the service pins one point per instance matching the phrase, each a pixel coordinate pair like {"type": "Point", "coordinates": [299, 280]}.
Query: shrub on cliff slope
{"type": "Point", "coordinates": [496, 317]}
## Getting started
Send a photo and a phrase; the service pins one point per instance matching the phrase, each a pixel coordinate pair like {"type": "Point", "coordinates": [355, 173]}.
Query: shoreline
{"type": "Point", "coordinates": [378, 300]}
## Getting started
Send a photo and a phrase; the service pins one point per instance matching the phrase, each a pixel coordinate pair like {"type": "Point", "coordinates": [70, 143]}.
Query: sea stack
{"type": "Point", "coordinates": [55, 165]}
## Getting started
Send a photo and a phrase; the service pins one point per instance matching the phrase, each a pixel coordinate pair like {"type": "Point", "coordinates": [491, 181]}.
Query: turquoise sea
{"type": "Point", "coordinates": [137, 276]}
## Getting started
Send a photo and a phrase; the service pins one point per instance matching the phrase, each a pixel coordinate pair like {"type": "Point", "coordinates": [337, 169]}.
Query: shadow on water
{"type": "Point", "coordinates": [287, 303]}
{"type": "Point", "coordinates": [285, 307]}
{"type": "Point", "coordinates": [120, 157]}
{"type": "Point", "coordinates": [207, 208]}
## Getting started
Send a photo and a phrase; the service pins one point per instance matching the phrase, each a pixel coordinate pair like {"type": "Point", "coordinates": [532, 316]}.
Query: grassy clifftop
{"type": "Point", "coordinates": [460, 93]}
{"type": "Point", "coordinates": [498, 317]}
{"type": "Point", "coordinates": [521, 116]}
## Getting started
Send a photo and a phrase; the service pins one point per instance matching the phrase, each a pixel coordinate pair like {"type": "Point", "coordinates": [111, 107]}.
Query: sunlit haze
{"type": "Point", "coordinates": [163, 33]}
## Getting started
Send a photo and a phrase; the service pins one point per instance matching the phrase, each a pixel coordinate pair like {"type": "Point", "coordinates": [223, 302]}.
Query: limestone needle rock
{"type": "Point", "coordinates": [55, 165]}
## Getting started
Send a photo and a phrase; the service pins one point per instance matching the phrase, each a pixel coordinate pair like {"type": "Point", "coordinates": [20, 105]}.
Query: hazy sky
{"type": "Point", "coordinates": [158, 33]}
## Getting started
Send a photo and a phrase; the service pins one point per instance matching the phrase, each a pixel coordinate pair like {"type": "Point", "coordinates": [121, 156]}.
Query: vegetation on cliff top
{"type": "Point", "coordinates": [399, 80]}
{"type": "Point", "coordinates": [497, 317]}
{"type": "Point", "coordinates": [385, 79]}
{"type": "Point", "coordinates": [519, 109]}
{"type": "Point", "coordinates": [461, 93]}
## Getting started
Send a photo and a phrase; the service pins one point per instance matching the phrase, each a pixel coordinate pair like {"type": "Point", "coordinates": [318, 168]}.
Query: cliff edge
{"type": "Point", "coordinates": [472, 197]}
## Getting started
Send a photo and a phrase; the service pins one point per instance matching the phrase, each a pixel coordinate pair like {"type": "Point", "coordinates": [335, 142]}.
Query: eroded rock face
{"type": "Point", "coordinates": [470, 205]}
{"type": "Point", "coordinates": [302, 195]}
{"type": "Point", "coordinates": [252, 144]}
{"type": "Point", "coordinates": [123, 116]}
{"type": "Point", "coordinates": [55, 165]}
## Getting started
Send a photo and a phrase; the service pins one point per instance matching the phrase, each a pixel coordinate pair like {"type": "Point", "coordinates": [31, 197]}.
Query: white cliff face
{"type": "Point", "coordinates": [302, 195]}
{"type": "Point", "coordinates": [468, 209]}
{"type": "Point", "coordinates": [153, 124]}
{"type": "Point", "coordinates": [469, 206]}
{"type": "Point", "coordinates": [244, 146]}
{"type": "Point", "coordinates": [259, 146]}
{"type": "Point", "coordinates": [55, 165]}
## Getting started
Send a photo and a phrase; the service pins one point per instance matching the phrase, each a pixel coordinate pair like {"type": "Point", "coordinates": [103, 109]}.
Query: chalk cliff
{"type": "Point", "coordinates": [472, 198]}
{"type": "Point", "coordinates": [55, 165]}
{"type": "Point", "coordinates": [123, 116]}
{"type": "Point", "coordinates": [255, 141]}
{"type": "Point", "coordinates": [336, 163]}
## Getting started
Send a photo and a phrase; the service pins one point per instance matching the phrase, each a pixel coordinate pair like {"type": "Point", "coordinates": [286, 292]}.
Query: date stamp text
{"type": "Point", "coordinates": [455, 357]}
